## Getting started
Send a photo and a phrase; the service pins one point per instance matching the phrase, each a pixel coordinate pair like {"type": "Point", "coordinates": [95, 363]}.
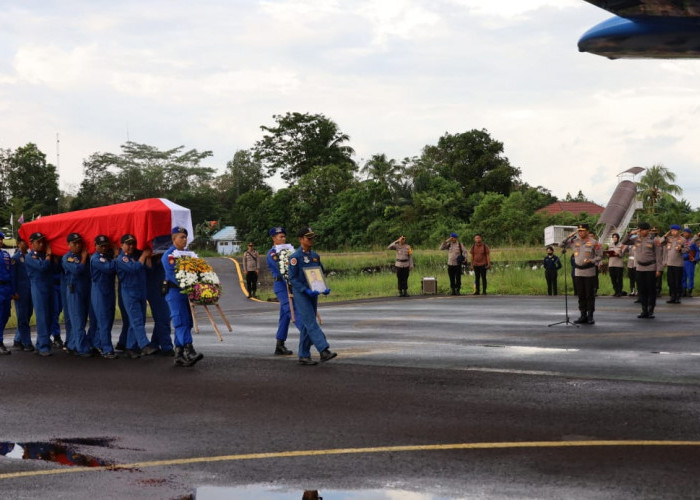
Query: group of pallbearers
{"type": "Point", "coordinates": [649, 255]}
{"type": "Point", "coordinates": [83, 286]}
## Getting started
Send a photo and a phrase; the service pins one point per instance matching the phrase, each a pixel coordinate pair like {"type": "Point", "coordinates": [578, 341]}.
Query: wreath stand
{"type": "Point", "coordinates": [211, 318]}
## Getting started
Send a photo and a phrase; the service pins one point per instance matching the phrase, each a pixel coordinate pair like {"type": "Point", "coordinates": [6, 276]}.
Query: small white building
{"type": "Point", "coordinates": [227, 242]}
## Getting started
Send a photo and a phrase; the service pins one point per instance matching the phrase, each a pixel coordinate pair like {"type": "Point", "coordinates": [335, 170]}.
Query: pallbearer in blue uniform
{"type": "Point", "coordinates": [103, 271]}
{"type": "Point", "coordinates": [280, 287]}
{"type": "Point", "coordinates": [7, 291]}
{"type": "Point", "coordinates": [131, 270]}
{"type": "Point", "coordinates": [59, 299]}
{"type": "Point", "coordinates": [179, 305]}
{"type": "Point", "coordinates": [77, 275]}
{"type": "Point", "coordinates": [40, 270]}
{"type": "Point", "coordinates": [161, 338]}
{"type": "Point", "coordinates": [306, 299]}
{"type": "Point", "coordinates": [23, 300]}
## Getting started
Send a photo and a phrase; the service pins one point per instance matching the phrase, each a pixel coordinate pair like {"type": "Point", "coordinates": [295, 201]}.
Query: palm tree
{"type": "Point", "coordinates": [656, 184]}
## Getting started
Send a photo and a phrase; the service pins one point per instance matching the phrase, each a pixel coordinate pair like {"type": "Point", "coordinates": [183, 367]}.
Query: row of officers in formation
{"type": "Point", "coordinates": [83, 286]}
{"type": "Point", "coordinates": [675, 252]}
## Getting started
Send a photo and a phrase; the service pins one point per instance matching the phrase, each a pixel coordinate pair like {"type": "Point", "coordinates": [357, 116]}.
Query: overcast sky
{"type": "Point", "coordinates": [394, 75]}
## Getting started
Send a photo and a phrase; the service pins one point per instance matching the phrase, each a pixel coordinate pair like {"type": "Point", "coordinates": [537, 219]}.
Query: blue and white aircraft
{"type": "Point", "coordinates": [664, 29]}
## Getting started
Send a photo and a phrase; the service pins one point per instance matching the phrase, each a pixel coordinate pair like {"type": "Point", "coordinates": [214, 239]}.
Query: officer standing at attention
{"type": "Point", "coordinates": [455, 260]}
{"type": "Point", "coordinates": [77, 274]}
{"type": "Point", "coordinates": [7, 291]}
{"type": "Point", "coordinates": [551, 264]}
{"type": "Point", "coordinates": [251, 268]}
{"type": "Point", "coordinates": [587, 254]}
{"type": "Point", "coordinates": [674, 247]}
{"type": "Point", "coordinates": [648, 254]}
{"type": "Point", "coordinates": [481, 261]}
{"type": "Point", "coordinates": [103, 270]}
{"type": "Point", "coordinates": [280, 287]}
{"type": "Point", "coordinates": [403, 263]}
{"type": "Point", "coordinates": [131, 270]}
{"type": "Point", "coordinates": [40, 271]}
{"type": "Point", "coordinates": [179, 304]}
{"type": "Point", "coordinates": [161, 338]}
{"type": "Point", "coordinates": [690, 259]}
{"type": "Point", "coordinates": [23, 299]}
{"type": "Point", "coordinates": [306, 299]}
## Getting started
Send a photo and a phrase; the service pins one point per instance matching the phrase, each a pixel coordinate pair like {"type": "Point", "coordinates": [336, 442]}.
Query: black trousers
{"type": "Point", "coordinates": [646, 286]}
{"type": "Point", "coordinates": [674, 276]}
{"type": "Point", "coordinates": [455, 274]}
{"type": "Point", "coordinates": [251, 281]}
{"type": "Point", "coordinates": [480, 275]}
{"type": "Point", "coordinates": [585, 289]}
{"type": "Point", "coordinates": [551, 276]}
{"type": "Point", "coordinates": [616, 279]}
{"type": "Point", "coordinates": [632, 275]}
{"type": "Point", "coordinates": [402, 277]}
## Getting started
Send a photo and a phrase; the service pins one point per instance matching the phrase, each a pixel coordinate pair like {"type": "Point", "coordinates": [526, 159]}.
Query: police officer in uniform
{"type": "Point", "coordinates": [7, 291]}
{"type": "Point", "coordinates": [587, 254]}
{"type": "Point", "coordinates": [23, 299]}
{"type": "Point", "coordinates": [281, 288]}
{"type": "Point", "coordinates": [179, 305]}
{"type": "Point", "coordinates": [690, 259]}
{"type": "Point", "coordinates": [674, 247]}
{"type": "Point", "coordinates": [103, 271]}
{"type": "Point", "coordinates": [403, 263]}
{"type": "Point", "coordinates": [131, 270]}
{"type": "Point", "coordinates": [77, 274]}
{"type": "Point", "coordinates": [455, 261]}
{"type": "Point", "coordinates": [161, 338]}
{"type": "Point", "coordinates": [251, 268]}
{"type": "Point", "coordinates": [648, 254]}
{"type": "Point", "coordinates": [306, 299]}
{"type": "Point", "coordinates": [40, 271]}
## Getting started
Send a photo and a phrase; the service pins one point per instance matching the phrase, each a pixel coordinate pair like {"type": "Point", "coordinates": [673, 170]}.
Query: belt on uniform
{"type": "Point", "coordinates": [3, 282]}
{"type": "Point", "coordinates": [401, 260]}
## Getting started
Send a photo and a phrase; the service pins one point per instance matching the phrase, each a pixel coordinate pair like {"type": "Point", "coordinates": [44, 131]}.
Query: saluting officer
{"type": "Point", "coordinates": [23, 299]}
{"type": "Point", "coordinates": [7, 291]}
{"type": "Point", "coordinates": [281, 288]}
{"type": "Point", "coordinates": [674, 247]}
{"type": "Point", "coordinates": [179, 304]}
{"type": "Point", "coordinates": [77, 274]}
{"type": "Point", "coordinates": [131, 270]}
{"type": "Point", "coordinates": [306, 299]}
{"type": "Point", "coordinates": [403, 263]}
{"type": "Point", "coordinates": [103, 271]}
{"type": "Point", "coordinates": [648, 254]}
{"type": "Point", "coordinates": [587, 254]}
{"type": "Point", "coordinates": [455, 261]}
{"type": "Point", "coordinates": [251, 268]}
{"type": "Point", "coordinates": [40, 271]}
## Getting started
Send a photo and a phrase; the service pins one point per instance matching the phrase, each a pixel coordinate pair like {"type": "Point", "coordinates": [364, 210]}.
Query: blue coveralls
{"type": "Point", "coordinates": [7, 289]}
{"type": "Point", "coordinates": [178, 303]}
{"type": "Point", "coordinates": [159, 307]}
{"type": "Point", "coordinates": [305, 305]}
{"type": "Point", "coordinates": [132, 285]}
{"type": "Point", "coordinates": [77, 276]}
{"type": "Point", "coordinates": [23, 305]}
{"type": "Point", "coordinates": [102, 298]}
{"type": "Point", "coordinates": [59, 299]}
{"type": "Point", "coordinates": [40, 271]}
{"type": "Point", "coordinates": [689, 267]}
{"type": "Point", "coordinates": [280, 289]}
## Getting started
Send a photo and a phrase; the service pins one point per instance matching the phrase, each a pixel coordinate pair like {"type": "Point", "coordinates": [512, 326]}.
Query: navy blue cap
{"type": "Point", "coordinates": [178, 230]}
{"type": "Point", "coordinates": [36, 236]}
{"type": "Point", "coordinates": [127, 238]}
{"type": "Point", "coordinates": [2, 235]}
{"type": "Point", "coordinates": [277, 230]}
{"type": "Point", "coordinates": [453, 235]}
{"type": "Point", "coordinates": [584, 226]}
{"type": "Point", "coordinates": [675, 226]}
{"type": "Point", "coordinates": [687, 230]}
{"type": "Point", "coordinates": [102, 240]}
{"type": "Point", "coordinates": [306, 232]}
{"type": "Point", "coordinates": [73, 237]}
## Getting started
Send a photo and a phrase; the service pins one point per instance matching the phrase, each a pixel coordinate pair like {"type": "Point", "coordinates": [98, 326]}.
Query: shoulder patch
{"type": "Point", "coordinates": [125, 259]}
{"type": "Point", "coordinates": [293, 261]}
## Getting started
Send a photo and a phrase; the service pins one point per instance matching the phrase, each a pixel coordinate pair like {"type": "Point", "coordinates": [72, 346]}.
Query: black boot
{"type": "Point", "coordinates": [281, 350]}
{"type": "Point", "coordinates": [589, 319]}
{"type": "Point", "coordinates": [583, 318]}
{"type": "Point", "coordinates": [179, 357]}
{"type": "Point", "coordinates": [645, 313]}
{"type": "Point", "coordinates": [191, 355]}
{"type": "Point", "coordinates": [651, 313]}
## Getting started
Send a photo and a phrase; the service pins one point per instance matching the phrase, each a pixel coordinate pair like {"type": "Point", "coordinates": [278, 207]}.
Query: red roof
{"type": "Point", "coordinates": [574, 207]}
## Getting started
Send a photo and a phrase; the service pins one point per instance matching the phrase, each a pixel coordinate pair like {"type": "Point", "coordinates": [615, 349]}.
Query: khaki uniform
{"type": "Point", "coordinates": [648, 256]}
{"type": "Point", "coordinates": [403, 264]}
{"type": "Point", "coordinates": [454, 250]}
{"type": "Point", "coordinates": [587, 255]}
{"type": "Point", "coordinates": [251, 261]}
{"type": "Point", "coordinates": [454, 268]}
{"type": "Point", "coordinates": [674, 247]}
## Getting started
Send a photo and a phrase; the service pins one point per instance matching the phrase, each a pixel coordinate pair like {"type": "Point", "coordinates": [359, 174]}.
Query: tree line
{"type": "Point", "coordinates": [462, 183]}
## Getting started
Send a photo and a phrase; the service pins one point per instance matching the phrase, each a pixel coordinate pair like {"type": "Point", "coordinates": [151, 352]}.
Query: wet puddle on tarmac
{"type": "Point", "coordinates": [269, 493]}
{"type": "Point", "coordinates": [61, 451]}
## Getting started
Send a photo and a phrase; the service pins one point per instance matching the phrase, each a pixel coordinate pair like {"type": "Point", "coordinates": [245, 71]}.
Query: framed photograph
{"type": "Point", "coordinates": [315, 279]}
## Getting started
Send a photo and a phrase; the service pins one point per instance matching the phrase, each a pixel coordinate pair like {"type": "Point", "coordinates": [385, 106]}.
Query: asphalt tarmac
{"type": "Point", "coordinates": [430, 397]}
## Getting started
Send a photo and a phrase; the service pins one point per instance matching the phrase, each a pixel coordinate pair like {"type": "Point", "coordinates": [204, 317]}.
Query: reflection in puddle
{"type": "Point", "coordinates": [61, 451]}
{"type": "Point", "coordinates": [270, 493]}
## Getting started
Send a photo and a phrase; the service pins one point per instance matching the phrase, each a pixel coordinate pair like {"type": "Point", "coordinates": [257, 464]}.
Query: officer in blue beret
{"type": "Point", "coordinates": [103, 271]}
{"type": "Point", "coordinates": [23, 301]}
{"type": "Point", "coordinates": [40, 271]}
{"type": "Point", "coordinates": [280, 249]}
{"type": "Point", "coordinates": [180, 313]}
{"type": "Point", "coordinates": [7, 290]}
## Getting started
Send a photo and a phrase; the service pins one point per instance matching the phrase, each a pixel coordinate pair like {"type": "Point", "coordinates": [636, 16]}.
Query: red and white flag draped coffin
{"type": "Point", "coordinates": [145, 219]}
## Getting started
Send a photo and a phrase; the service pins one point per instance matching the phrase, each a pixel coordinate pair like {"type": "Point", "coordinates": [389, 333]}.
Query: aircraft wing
{"type": "Point", "coordinates": [645, 8]}
{"type": "Point", "coordinates": [665, 29]}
